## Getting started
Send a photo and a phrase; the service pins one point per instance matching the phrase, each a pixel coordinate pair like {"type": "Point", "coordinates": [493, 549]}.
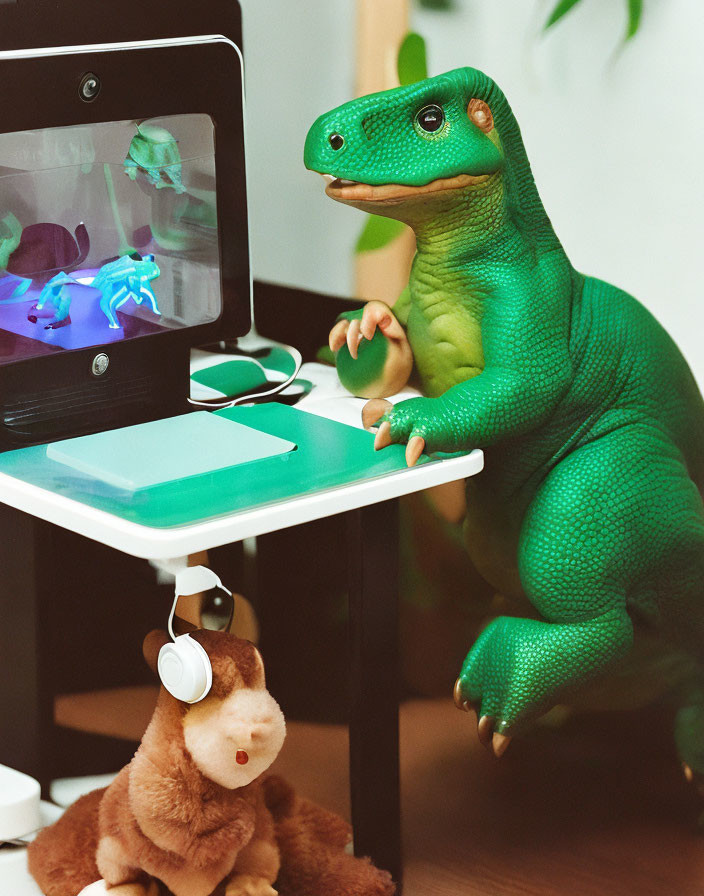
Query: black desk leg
{"type": "Point", "coordinates": [26, 698]}
{"type": "Point", "coordinates": [374, 719]}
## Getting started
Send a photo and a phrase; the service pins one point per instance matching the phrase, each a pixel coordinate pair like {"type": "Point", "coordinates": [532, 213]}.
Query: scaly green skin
{"type": "Point", "coordinates": [590, 504]}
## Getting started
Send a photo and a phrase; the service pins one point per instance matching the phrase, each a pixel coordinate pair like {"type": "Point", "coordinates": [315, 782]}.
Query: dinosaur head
{"type": "Point", "coordinates": [430, 140]}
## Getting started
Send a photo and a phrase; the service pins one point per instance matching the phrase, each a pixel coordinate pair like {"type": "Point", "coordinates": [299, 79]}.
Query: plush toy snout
{"type": "Point", "coordinates": [232, 741]}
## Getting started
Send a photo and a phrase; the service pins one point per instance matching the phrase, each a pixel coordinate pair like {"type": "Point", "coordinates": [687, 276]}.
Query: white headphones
{"type": "Point", "coordinates": [184, 666]}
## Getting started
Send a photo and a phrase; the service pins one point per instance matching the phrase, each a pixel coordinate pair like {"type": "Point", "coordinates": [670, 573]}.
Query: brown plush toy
{"type": "Point", "coordinates": [192, 816]}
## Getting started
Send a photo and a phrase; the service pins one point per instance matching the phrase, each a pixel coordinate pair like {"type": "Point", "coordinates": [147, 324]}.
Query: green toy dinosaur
{"type": "Point", "coordinates": [589, 510]}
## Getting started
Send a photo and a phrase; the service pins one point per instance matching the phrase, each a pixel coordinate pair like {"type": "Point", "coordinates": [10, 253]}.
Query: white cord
{"type": "Point", "coordinates": [255, 396]}
{"type": "Point", "coordinates": [171, 616]}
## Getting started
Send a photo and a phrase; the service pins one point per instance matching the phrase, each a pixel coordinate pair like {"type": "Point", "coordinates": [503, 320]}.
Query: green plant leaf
{"type": "Point", "coordinates": [635, 11]}
{"type": "Point", "coordinates": [562, 8]}
{"type": "Point", "coordinates": [437, 4]}
{"type": "Point", "coordinates": [411, 63]}
{"type": "Point", "coordinates": [378, 232]}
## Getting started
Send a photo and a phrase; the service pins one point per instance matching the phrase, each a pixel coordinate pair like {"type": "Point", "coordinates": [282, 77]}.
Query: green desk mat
{"type": "Point", "coordinates": [329, 455]}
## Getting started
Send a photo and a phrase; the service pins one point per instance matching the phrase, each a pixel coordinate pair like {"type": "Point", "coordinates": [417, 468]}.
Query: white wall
{"type": "Point", "coordinates": [615, 135]}
{"type": "Point", "coordinates": [299, 59]}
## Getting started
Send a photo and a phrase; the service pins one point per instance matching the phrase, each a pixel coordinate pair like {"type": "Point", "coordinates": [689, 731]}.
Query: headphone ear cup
{"type": "Point", "coordinates": [184, 669]}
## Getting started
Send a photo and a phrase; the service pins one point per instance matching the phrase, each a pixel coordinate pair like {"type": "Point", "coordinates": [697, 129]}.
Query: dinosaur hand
{"type": "Point", "coordinates": [372, 353]}
{"type": "Point", "coordinates": [374, 315]}
{"type": "Point", "coordinates": [422, 423]}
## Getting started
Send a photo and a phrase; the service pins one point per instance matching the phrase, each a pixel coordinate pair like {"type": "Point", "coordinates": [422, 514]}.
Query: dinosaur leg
{"type": "Point", "coordinates": [614, 531]}
{"type": "Point", "coordinates": [148, 293]}
{"type": "Point", "coordinates": [109, 304]}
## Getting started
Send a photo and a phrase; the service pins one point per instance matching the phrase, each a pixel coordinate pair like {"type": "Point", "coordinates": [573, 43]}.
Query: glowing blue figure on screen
{"type": "Point", "coordinates": [125, 279]}
{"type": "Point", "coordinates": [12, 288]}
{"type": "Point", "coordinates": [57, 296]}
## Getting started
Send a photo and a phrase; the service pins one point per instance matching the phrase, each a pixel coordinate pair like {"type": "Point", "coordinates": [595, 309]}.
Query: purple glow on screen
{"type": "Point", "coordinates": [88, 327]}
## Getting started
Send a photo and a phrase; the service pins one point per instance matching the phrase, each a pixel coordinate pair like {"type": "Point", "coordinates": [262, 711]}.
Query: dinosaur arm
{"type": "Point", "coordinates": [527, 371]}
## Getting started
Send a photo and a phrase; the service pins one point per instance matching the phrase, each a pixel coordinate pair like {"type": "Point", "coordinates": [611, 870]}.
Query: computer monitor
{"type": "Point", "coordinates": [123, 230]}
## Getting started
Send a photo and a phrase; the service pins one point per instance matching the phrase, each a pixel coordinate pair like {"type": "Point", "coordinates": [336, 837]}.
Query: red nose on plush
{"type": "Point", "coordinates": [183, 814]}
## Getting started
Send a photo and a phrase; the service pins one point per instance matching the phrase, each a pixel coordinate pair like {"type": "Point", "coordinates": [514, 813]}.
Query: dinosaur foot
{"type": "Point", "coordinates": [494, 741]}
{"type": "Point", "coordinates": [57, 324]}
{"type": "Point", "coordinates": [696, 780]}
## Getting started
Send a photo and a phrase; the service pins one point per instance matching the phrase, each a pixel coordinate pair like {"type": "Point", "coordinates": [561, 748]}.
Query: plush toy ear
{"type": "Point", "coordinates": [151, 646]}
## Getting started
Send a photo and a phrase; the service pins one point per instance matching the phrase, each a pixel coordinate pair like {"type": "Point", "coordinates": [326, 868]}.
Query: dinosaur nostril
{"type": "Point", "coordinates": [337, 141]}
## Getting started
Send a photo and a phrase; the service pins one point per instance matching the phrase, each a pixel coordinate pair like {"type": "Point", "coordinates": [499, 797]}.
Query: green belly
{"type": "Point", "coordinates": [447, 344]}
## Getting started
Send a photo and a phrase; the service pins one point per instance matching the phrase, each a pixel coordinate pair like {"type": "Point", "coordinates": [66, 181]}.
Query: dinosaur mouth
{"type": "Point", "coordinates": [241, 757]}
{"type": "Point", "coordinates": [352, 191]}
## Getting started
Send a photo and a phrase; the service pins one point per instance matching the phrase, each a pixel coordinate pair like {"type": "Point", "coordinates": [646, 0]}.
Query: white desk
{"type": "Point", "coordinates": [329, 400]}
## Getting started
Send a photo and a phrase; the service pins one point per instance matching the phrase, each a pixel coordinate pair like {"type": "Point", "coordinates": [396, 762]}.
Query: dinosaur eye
{"type": "Point", "coordinates": [480, 114]}
{"type": "Point", "coordinates": [431, 118]}
{"type": "Point", "coordinates": [337, 141]}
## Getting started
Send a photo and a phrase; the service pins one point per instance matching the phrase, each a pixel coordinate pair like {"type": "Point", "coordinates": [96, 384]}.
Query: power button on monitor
{"type": "Point", "coordinates": [100, 364]}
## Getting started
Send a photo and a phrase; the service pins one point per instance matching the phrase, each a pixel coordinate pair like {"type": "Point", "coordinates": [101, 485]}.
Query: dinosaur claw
{"type": "Point", "coordinates": [696, 779]}
{"type": "Point", "coordinates": [500, 743]}
{"type": "Point", "coordinates": [414, 449]}
{"type": "Point", "coordinates": [383, 436]}
{"type": "Point", "coordinates": [460, 702]}
{"type": "Point", "coordinates": [373, 410]}
{"type": "Point", "coordinates": [354, 337]}
{"type": "Point", "coordinates": [337, 335]}
{"type": "Point", "coordinates": [485, 728]}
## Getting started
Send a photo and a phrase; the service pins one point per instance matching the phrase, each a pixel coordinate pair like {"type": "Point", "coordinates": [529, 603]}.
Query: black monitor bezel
{"type": "Point", "coordinates": [143, 82]}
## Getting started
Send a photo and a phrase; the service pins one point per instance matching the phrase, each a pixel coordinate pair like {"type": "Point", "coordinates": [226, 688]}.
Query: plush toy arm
{"type": "Point", "coordinates": [157, 801]}
{"type": "Point", "coordinates": [258, 863]}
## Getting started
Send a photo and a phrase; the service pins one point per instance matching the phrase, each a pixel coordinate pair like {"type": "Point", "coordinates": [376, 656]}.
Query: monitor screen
{"type": "Point", "coordinates": [108, 232]}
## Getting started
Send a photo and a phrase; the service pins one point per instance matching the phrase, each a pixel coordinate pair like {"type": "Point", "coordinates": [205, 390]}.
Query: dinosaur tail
{"type": "Point", "coordinates": [62, 858]}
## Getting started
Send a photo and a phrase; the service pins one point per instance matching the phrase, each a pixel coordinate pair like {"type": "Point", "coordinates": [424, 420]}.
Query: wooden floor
{"type": "Point", "coordinates": [595, 808]}
{"type": "Point", "coordinates": [589, 810]}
